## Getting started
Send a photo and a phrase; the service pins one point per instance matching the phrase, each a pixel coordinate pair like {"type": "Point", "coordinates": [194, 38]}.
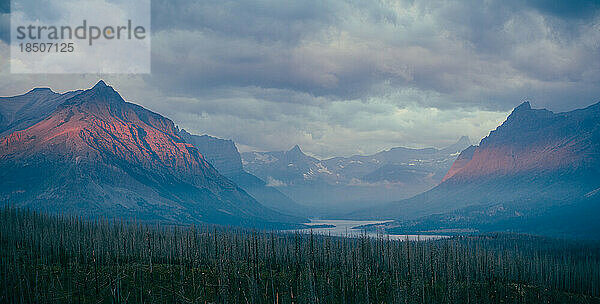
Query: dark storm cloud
{"type": "Point", "coordinates": [284, 20]}
{"type": "Point", "coordinates": [487, 54]}
{"type": "Point", "coordinates": [573, 9]}
{"type": "Point", "coordinates": [354, 76]}
{"type": "Point", "coordinates": [254, 43]}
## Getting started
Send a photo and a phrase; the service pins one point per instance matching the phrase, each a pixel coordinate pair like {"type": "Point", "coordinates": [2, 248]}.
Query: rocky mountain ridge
{"type": "Point", "coordinates": [534, 168]}
{"type": "Point", "coordinates": [96, 154]}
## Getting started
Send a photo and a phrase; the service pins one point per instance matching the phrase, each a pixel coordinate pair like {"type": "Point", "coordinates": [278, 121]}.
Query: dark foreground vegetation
{"type": "Point", "coordinates": [52, 259]}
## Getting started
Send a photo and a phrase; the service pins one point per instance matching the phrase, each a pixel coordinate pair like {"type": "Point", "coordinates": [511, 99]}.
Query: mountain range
{"type": "Point", "coordinates": [93, 154]}
{"type": "Point", "coordinates": [225, 157]}
{"type": "Point", "coordinates": [337, 185]}
{"type": "Point", "coordinates": [538, 172]}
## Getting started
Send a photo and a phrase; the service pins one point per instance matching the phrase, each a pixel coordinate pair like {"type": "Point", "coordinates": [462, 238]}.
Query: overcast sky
{"type": "Point", "coordinates": [347, 77]}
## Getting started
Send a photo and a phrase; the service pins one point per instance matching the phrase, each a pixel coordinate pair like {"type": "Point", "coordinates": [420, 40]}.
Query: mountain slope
{"type": "Point", "coordinates": [99, 155]}
{"type": "Point", "coordinates": [535, 163]}
{"type": "Point", "coordinates": [21, 112]}
{"type": "Point", "coordinates": [225, 157]}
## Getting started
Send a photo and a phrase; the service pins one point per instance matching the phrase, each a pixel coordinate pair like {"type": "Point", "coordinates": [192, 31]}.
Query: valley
{"type": "Point", "coordinates": [291, 152]}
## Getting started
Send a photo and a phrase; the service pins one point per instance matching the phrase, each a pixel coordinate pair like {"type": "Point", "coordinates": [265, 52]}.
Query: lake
{"type": "Point", "coordinates": [345, 228]}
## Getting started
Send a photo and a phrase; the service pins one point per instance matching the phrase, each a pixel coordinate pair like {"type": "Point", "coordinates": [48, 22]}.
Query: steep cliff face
{"type": "Point", "coordinates": [221, 153]}
{"type": "Point", "coordinates": [536, 141]}
{"type": "Point", "coordinates": [99, 155]}
{"type": "Point", "coordinates": [535, 163]}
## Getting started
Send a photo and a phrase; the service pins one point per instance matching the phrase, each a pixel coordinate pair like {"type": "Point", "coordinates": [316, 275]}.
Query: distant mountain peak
{"type": "Point", "coordinates": [523, 106]}
{"type": "Point", "coordinates": [100, 84]}
{"type": "Point", "coordinates": [462, 143]}
{"type": "Point", "coordinates": [100, 92]}
{"type": "Point", "coordinates": [464, 140]}
{"type": "Point", "coordinates": [40, 90]}
{"type": "Point", "coordinates": [184, 132]}
{"type": "Point", "coordinates": [296, 150]}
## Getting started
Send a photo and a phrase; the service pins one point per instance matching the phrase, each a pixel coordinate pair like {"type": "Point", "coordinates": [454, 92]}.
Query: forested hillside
{"type": "Point", "coordinates": [49, 259]}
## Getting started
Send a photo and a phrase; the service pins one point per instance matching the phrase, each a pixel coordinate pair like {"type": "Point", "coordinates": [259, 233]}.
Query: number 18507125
{"type": "Point", "coordinates": [48, 47]}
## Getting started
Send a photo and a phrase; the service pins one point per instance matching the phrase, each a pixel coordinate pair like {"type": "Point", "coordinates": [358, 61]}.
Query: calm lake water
{"type": "Point", "coordinates": [345, 228]}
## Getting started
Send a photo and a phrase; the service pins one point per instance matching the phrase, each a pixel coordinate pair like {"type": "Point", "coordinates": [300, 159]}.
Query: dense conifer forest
{"type": "Point", "coordinates": [63, 259]}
